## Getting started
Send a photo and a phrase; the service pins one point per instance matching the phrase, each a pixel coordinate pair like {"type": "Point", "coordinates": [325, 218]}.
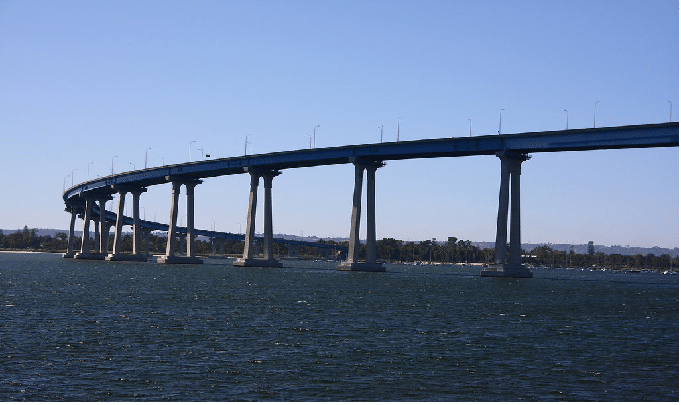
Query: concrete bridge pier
{"type": "Point", "coordinates": [104, 226]}
{"type": "Point", "coordinates": [170, 257]}
{"type": "Point", "coordinates": [510, 171]}
{"type": "Point", "coordinates": [75, 210]}
{"type": "Point", "coordinates": [268, 259]}
{"type": "Point", "coordinates": [85, 243]}
{"type": "Point", "coordinates": [352, 263]}
{"type": "Point", "coordinates": [136, 256]}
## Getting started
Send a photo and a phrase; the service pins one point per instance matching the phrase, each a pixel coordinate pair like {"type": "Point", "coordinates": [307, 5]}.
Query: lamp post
{"type": "Point", "coordinates": [67, 176]}
{"type": "Point", "coordinates": [381, 128]}
{"type": "Point", "coordinates": [88, 169]}
{"type": "Point", "coordinates": [500, 120]}
{"type": "Point", "coordinates": [146, 152]}
{"type": "Point", "coordinates": [670, 110]}
{"type": "Point", "coordinates": [72, 171]}
{"type": "Point", "coordinates": [595, 113]}
{"type": "Point", "coordinates": [470, 128]}
{"type": "Point", "coordinates": [190, 150]}
{"type": "Point", "coordinates": [133, 166]}
{"type": "Point", "coordinates": [246, 144]}
{"type": "Point", "coordinates": [398, 129]}
{"type": "Point", "coordinates": [314, 136]}
{"type": "Point", "coordinates": [566, 119]}
{"type": "Point", "coordinates": [201, 149]}
{"type": "Point", "coordinates": [112, 170]}
{"type": "Point", "coordinates": [163, 161]}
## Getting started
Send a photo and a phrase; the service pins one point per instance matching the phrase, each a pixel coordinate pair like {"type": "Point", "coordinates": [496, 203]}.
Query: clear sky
{"type": "Point", "coordinates": [85, 85]}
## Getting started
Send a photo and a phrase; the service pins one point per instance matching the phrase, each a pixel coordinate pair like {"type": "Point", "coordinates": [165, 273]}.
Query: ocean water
{"type": "Point", "coordinates": [94, 331]}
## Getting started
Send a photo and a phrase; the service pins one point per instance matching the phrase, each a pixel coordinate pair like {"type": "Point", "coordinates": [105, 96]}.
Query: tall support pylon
{"type": "Point", "coordinates": [353, 263]}
{"type": "Point", "coordinates": [510, 176]}
{"type": "Point", "coordinates": [248, 259]}
{"type": "Point", "coordinates": [170, 257]}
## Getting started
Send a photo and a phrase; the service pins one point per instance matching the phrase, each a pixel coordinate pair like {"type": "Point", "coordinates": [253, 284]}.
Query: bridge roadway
{"type": "Point", "coordinates": [512, 149]}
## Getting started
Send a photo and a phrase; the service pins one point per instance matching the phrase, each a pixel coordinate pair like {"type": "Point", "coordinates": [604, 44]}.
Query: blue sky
{"type": "Point", "coordinates": [88, 83]}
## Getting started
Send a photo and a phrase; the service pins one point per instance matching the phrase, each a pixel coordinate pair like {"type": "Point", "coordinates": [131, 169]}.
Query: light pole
{"type": "Point", "coordinates": [595, 113]}
{"type": "Point", "coordinates": [72, 171]}
{"type": "Point", "coordinates": [133, 166]}
{"type": "Point", "coordinates": [670, 110]}
{"type": "Point", "coordinates": [500, 120]}
{"type": "Point", "coordinates": [381, 128]}
{"type": "Point", "coordinates": [112, 170]}
{"type": "Point", "coordinates": [67, 176]}
{"type": "Point", "coordinates": [398, 129]}
{"type": "Point", "coordinates": [163, 161]}
{"type": "Point", "coordinates": [470, 128]}
{"type": "Point", "coordinates": [314, 136]}
{"type": "Point", "coordinates": [566, 119]}
{"type": "Point", "coordinates": [201, 149]}
{"type": "Point", "coordinates": [145, 157]}
{"type": "Point", "coordinates": [246, 144]}
{"type": "Point", "coordinates": [190, 150]}
{"type": "Point", "coordinates": [88, 169]}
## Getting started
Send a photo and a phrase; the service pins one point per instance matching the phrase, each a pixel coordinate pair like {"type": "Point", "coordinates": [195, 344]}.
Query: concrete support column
{"type": "Point", "coordinates": [510, 173]}
{"type": "Point", "coordinates": [96, 238]}
{"type": "Point", "coordinates": [147, 232]}
{"type": "Point", "coordinates": [172, 225]}
{"type": "Point", "coordinates": [171, 246]}
{"type": "Point", "coordinates": [502, 215]}
{"type": "Point", "coordinates": [355, 218]}
{"type": "Point", "coordinates": [119, 223]}
{"type": "Point", "coordinates": [371, 214]}
{"type": "Point", "coordinates": [104, 226]}
{"type": "Point", "coordinates": [514, 254]}
{"type": "Point", "coordinates": [190, 219]}
{"type": "Point", "coordinates": [268, 246]}
{"type": "Point", "coordinates": [116, 255]}
{"type": "Point", "coordinates": [250, 219]}
{"type": "Point", "coordinates": [247, 259]}
{"type": "Point", "coordinates": [136, 227]}
{"type": "Point", "coordinates": [85, 244]}
{"type": "Point", "coordinates": [72, 226]}
{"type": "Point", "coordinates": [352, 263]}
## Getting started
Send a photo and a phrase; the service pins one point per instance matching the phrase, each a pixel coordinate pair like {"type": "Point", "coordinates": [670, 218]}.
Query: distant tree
{"type": "Point", "coordinates": [590, 248]}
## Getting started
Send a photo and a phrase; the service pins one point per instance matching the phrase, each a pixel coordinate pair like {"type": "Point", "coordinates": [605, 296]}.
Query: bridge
{"type": "Point", "coordinates": [512, 150]}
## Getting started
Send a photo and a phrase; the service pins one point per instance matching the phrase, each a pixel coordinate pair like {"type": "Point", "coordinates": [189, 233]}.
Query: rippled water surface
{"type": "Point", "coordinates": [86, 330]}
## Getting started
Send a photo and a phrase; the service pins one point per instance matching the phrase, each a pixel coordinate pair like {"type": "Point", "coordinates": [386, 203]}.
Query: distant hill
{"type": "Point", "coordinates": [582, 249]}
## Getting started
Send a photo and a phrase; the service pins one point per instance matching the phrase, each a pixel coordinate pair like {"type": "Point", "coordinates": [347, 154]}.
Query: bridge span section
{"type": "Point", "coordinates": [512, 150]}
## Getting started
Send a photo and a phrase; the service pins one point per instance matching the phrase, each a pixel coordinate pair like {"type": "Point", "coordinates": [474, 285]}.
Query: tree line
{"type": "Point", "coordinates": [388, 250]}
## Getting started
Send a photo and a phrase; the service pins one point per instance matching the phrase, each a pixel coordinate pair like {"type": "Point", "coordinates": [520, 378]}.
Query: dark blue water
{"type": "Point", "coordinates": [91, 331]}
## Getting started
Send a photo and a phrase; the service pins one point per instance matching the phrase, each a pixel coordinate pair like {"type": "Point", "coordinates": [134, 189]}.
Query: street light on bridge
{"type": "Point", "coordinates": [145, 157]}
{"type": "Point", "coordinates": [314, 136]}
{"type": "Point", "coordinates": [190, 150]}
{"type": "Point", "coordinates": [72, 171]}
{"type": "Point", "coordinates": [595, 113]}
{"type": "Point", "coordinates": [112, 170]}
{"type": "Point", "coordinates": [500, 120]}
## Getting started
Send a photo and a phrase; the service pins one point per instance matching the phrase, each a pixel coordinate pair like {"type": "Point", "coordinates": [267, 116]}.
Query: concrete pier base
{"type": "Point", "coordinates": [506, 271]}
{"type": "Point", "coordinates": [350, 266]}
{"type": "Point", "coordinates": [178, 260]}
{"type": "Point", "coordinates": [241, 262]}
{"type": "Point", "coordinates": [125, 258]}
{"type": "Point", "coordinates": [89, 256]}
